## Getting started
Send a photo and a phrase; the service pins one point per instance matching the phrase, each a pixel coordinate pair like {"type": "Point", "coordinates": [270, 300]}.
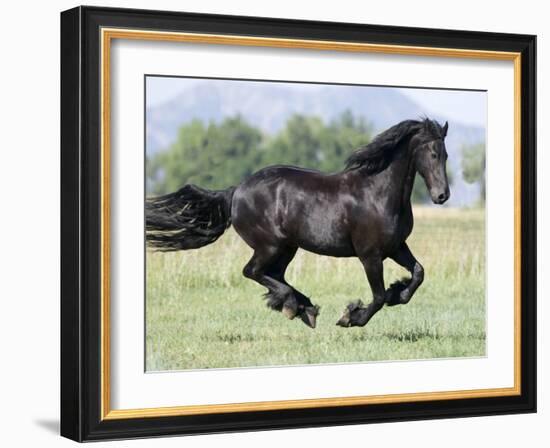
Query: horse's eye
{"type": "Point", "coordinates": [434, 155]}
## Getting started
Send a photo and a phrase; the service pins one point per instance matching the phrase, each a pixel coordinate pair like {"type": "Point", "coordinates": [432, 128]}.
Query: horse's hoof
{"type": "Point", "coordinates": [343, 321]}
{"type": "Point", "coordinates": [346, 319]}
{"type": "Point", "coordinates": [309, 315]}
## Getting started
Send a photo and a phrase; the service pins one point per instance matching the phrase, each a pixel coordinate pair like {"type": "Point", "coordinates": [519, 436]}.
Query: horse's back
{"type": "Point", "coordinates": [282, 172]}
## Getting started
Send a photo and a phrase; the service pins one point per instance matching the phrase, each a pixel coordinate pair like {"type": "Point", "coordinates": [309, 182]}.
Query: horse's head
{"type": "Point", "coordinates": [430, 158]}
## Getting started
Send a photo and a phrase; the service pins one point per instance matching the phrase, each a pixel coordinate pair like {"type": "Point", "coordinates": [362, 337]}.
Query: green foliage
{"type": "Point", "coordinates": [473, 166]}
{"type": "Point", "coordinates": [307, 142]}
{"type": "Point", "coordinates": [219, 155]}
{"type": "Point", "coordinates": [340, 138]}
{"type": "Point", "coordinates": [297, 144]}
{"type": "Point", "coordinates": [216, 156]}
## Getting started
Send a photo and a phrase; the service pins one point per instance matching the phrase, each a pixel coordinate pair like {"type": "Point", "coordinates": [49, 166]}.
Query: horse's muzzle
{"type": "Point", "coordinates": [441, 198]}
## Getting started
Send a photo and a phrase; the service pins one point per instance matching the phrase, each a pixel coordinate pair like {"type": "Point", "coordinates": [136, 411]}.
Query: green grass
{"type": "Point", "coordinates": [202, 313]}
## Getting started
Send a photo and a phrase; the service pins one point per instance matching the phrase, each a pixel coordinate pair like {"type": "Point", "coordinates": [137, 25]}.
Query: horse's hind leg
{"type": "Point", "coordinates": [267, 267]}
{"type": "Point", "coordinates": [277, 271]}
{"type": "Point", "coordinates": [402, 291]}
{"type": "Point", "coordinates": [305, 309]}
{"type": "Point", "coordinates": [264, 268]}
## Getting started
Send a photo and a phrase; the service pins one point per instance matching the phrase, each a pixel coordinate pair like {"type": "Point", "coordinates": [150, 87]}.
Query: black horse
{"type": "Point", "coordinates": [363, 211]}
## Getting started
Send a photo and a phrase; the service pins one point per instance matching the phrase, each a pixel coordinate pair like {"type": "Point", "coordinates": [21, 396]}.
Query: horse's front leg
{"type": "Point", "coordinates": [402, 291]}
{"type": "Point", "coordinates": [357, 315]}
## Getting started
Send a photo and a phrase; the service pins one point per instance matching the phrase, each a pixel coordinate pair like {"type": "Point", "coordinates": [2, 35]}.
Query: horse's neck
{"type": "Point", "coordinates": [397, 180]}
{"type": "Point", "coordinates": [408, 182]}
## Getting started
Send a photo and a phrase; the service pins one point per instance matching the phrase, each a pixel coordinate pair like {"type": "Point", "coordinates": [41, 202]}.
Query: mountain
{"type": "Point", "coordinates": [268, 106]}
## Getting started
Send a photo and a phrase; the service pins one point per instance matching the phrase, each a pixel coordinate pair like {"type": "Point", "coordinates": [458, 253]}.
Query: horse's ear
{"type": "Point", "coordinates": [444, 129]}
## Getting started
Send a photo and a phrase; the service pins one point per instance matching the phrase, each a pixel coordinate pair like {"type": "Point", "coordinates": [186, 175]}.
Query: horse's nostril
{"type": "Point", "coordinates": [442, 197]}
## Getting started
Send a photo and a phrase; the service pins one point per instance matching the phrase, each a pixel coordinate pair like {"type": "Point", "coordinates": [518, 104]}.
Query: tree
{"type": "Point", "coordinates": [213, 156]}
{"type": "Point", "coordinates": [340, 138]}
{"type": "Point", "coordinates": [216, 156]}
{"type": "Point", "coordinates": [296, 144]}
{"type": "Point", "coordinates": [473, 166]}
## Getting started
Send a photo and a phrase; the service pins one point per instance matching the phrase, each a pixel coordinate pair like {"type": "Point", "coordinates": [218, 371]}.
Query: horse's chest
{"type": "Point", "coordinates": [381, 233]}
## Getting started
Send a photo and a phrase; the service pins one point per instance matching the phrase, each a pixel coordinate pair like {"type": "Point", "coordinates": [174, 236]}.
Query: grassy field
{"type": "Point", "coordinates": [202, 313]}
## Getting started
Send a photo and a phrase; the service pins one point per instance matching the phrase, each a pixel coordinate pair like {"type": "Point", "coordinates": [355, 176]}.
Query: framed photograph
{"type": "Point", "coordinates": [273, 224]}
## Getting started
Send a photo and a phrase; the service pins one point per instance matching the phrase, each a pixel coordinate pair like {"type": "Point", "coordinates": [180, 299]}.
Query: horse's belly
{"type": "Point", "coordinates": [331, 251]}
{"type": "Point", "coordinates": [325, 238]}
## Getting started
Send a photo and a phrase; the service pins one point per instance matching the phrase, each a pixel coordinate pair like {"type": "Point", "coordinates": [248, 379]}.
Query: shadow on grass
{"type": "Point", "coordinates": [413, 335]}
{"type": "Point", "coordinates": [231, 338]}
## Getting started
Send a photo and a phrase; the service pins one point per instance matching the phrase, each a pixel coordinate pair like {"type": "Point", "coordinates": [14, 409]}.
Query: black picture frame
{"type": "Point", "coordinates": [81, 224]}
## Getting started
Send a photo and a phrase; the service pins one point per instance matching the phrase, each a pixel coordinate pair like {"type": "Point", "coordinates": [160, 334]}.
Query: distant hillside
{"type": "Point", "coordinates": [268, 106]}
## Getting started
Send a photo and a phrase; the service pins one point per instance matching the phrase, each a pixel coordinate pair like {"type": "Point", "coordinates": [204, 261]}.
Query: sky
{"type": "Point", "coordinates": [467, 107]}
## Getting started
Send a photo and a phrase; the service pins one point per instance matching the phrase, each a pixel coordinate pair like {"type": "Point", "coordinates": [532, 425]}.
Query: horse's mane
{"type": "Point", "coordinates": [377, 155]}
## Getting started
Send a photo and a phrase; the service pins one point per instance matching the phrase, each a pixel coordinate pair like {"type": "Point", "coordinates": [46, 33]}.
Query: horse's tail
{"type": "Point", "coordinates": [189, 218]}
